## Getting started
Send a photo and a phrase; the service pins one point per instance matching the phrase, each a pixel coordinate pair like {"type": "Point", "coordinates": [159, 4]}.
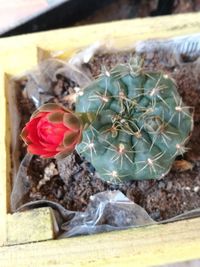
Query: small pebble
{"type": "Point", "coordinates": [169, 186]}
{"type": "Point", "coordinates": [36, 195]}
{"type": "Point", "coordinates": [161, 185]}
{"type": "Point", "coordinates": [59, 193]}
{"type": "Point", "coordinates": [155, 215]}
{"type": "Point", "coordinates": [187, 188]}
{"type": "Point", "coordinates": [196, 189]}
{"type": "Point", "coordinates": [34, 189]}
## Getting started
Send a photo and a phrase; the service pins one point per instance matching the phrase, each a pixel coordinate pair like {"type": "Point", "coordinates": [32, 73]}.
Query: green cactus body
{"type": "Point", "coordinates": [141, 124]}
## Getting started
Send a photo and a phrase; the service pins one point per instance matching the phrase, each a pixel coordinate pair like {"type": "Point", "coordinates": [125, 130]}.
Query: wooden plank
{"type": "Point", "coordinates": [3, 165]}
{"type": "Point", "coordinates": [191, 263]}
{"type": "Point", "coordinates": [15, 51]}
{"type": "Point", "coordinates": [147, 246]}
{"type": "Point", "coordinates": [30, 226]}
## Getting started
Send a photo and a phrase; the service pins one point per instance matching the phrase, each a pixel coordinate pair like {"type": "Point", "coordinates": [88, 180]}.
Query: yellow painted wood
{"type": "Point", "coordinates": [144, 246]}
{"type": "Point", "coordinates": [4, 173]}
{"type": "Point", "coordinates": [30, 226]}
{"type": "Point", "coordinates": [147, 246]}
{"type": "Point", "coordinates": [121, 34]}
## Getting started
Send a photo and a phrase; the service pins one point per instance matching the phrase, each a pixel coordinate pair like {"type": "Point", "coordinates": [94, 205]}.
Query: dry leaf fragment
{"type": "Point", "coordinates": [182, 165]}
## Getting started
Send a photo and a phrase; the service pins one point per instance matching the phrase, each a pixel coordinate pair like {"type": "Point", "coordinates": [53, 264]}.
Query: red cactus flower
{"type": "Point", "coordinates": [52, 131]}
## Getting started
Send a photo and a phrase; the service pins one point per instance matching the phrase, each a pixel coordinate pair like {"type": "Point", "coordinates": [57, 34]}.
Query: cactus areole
{"type": "Point", "coordinates": [141, 124]}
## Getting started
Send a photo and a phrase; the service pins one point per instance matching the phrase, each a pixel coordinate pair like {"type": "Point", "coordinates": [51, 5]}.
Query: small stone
{"type": "Point", "coordinates": [36, 195]}
{"type": "Point", "coordinates": [187, 188]}
{"type": "Point", "coordinates": [59, 193]}
{"type": "Point", "coordinates": [34, 189]}
{"type": "Point", "coordinates": [196, 189]}
{"type": "Point", "coordinates": [178, 186]}
{"type": "Point", "coordinates": [169, 186]}
{"type": "Point", "coordinates": [155, 215]}
{"type": "Point", "coordinates": [49, 172]}
{"type": "Point", "coordinates": [161, 185]}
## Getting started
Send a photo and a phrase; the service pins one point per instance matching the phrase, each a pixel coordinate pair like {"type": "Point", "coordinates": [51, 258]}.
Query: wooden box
{"type": "Point", "coordinates": [145, 246]}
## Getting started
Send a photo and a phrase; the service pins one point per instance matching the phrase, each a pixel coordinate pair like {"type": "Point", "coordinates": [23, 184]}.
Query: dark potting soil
{"type": "Point", "coordinates": [73, 180]}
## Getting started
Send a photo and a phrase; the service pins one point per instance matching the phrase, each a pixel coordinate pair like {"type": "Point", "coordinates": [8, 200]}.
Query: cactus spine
{"type": "Point", "coordinates": [141, 124]}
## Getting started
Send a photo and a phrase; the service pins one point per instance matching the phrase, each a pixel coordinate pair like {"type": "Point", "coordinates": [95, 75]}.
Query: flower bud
{"type": "Point", "coordinates": [52, 131]}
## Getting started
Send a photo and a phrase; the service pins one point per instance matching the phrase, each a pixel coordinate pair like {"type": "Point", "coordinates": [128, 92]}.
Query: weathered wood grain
{"type": "Point", "coordinates": [30, 226]}
{"type": "Point", "coordinates": [147, 246]}
{"type": "Point", "coordinates": [19, 53]}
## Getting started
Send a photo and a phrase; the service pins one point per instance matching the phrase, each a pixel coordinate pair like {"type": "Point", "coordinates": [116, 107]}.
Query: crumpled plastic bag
{"type": "Point", "coordinates": [39, 85]}
{"type": "Point", "coordinates": [21, 185]}
{"type": "Point", "coordinates": [107, 211]}
{"type": "Point", "coordinates": [183, 49]}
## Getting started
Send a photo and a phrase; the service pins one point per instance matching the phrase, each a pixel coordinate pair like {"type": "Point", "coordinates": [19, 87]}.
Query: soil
{"type": "Point", "coordinates": [73, 180]}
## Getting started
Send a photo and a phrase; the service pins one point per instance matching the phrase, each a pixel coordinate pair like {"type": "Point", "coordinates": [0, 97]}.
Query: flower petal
{"type": "Point", "coordinates": [79, 139]}
{"type": "Point", "coordinates": [56, 117]}
{"type": "Point", "coordinates": [48, 155]}
{"type": "Point", "coordinates": [62, 155]}
{"type": "Point", "coordinates": [24, 135]}
{"type": "Point", "coordinates": [71, 121]}
{"type": "Point", "coordinates": [31, 128]}
{"type": "Point", "coordinates": [69, 138]}
{"type": "Point", "coordinates": [38, 114]}
{"type": "Point", "coordinates": [49, 147]}
{"type": "Point", "coordinates": [50, 107]}
{"type": "Point", "coordinates": [36, 150]}
{"type": "Point", "coordinates": [49, 132]}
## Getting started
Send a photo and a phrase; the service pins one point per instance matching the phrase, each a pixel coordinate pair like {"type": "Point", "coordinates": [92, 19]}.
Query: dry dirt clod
{"type": "Point", "coordinates": [49, 172]}
{"type": "Point", "coordinates": [67, 167]}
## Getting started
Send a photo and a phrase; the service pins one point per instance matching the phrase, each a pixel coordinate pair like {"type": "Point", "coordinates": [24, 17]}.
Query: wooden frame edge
{"type": "Point", "coordinates": [145, 246]}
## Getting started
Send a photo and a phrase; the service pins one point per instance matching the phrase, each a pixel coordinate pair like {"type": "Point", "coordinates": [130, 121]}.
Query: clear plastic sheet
{"type": "Point", "coordinates": [84, 56]}
{"type": "Point", "coordinates": [184, 49]}
{"type": "Point", "coordinates": [21, 185]}
{"type": "Point", "coordinates": [109, 210]}
{"type": "Point", "coordinates": [39, 87]}
{"type": "Point", "coordinates": [106, 211]}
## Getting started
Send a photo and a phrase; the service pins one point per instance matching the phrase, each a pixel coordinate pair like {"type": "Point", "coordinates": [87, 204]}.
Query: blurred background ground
{"type": "Point", "coordinates": [21, 16]}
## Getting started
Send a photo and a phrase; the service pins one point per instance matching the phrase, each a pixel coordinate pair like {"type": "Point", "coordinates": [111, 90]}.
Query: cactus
{"type": "Point", "coordinates": [141, 123]}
